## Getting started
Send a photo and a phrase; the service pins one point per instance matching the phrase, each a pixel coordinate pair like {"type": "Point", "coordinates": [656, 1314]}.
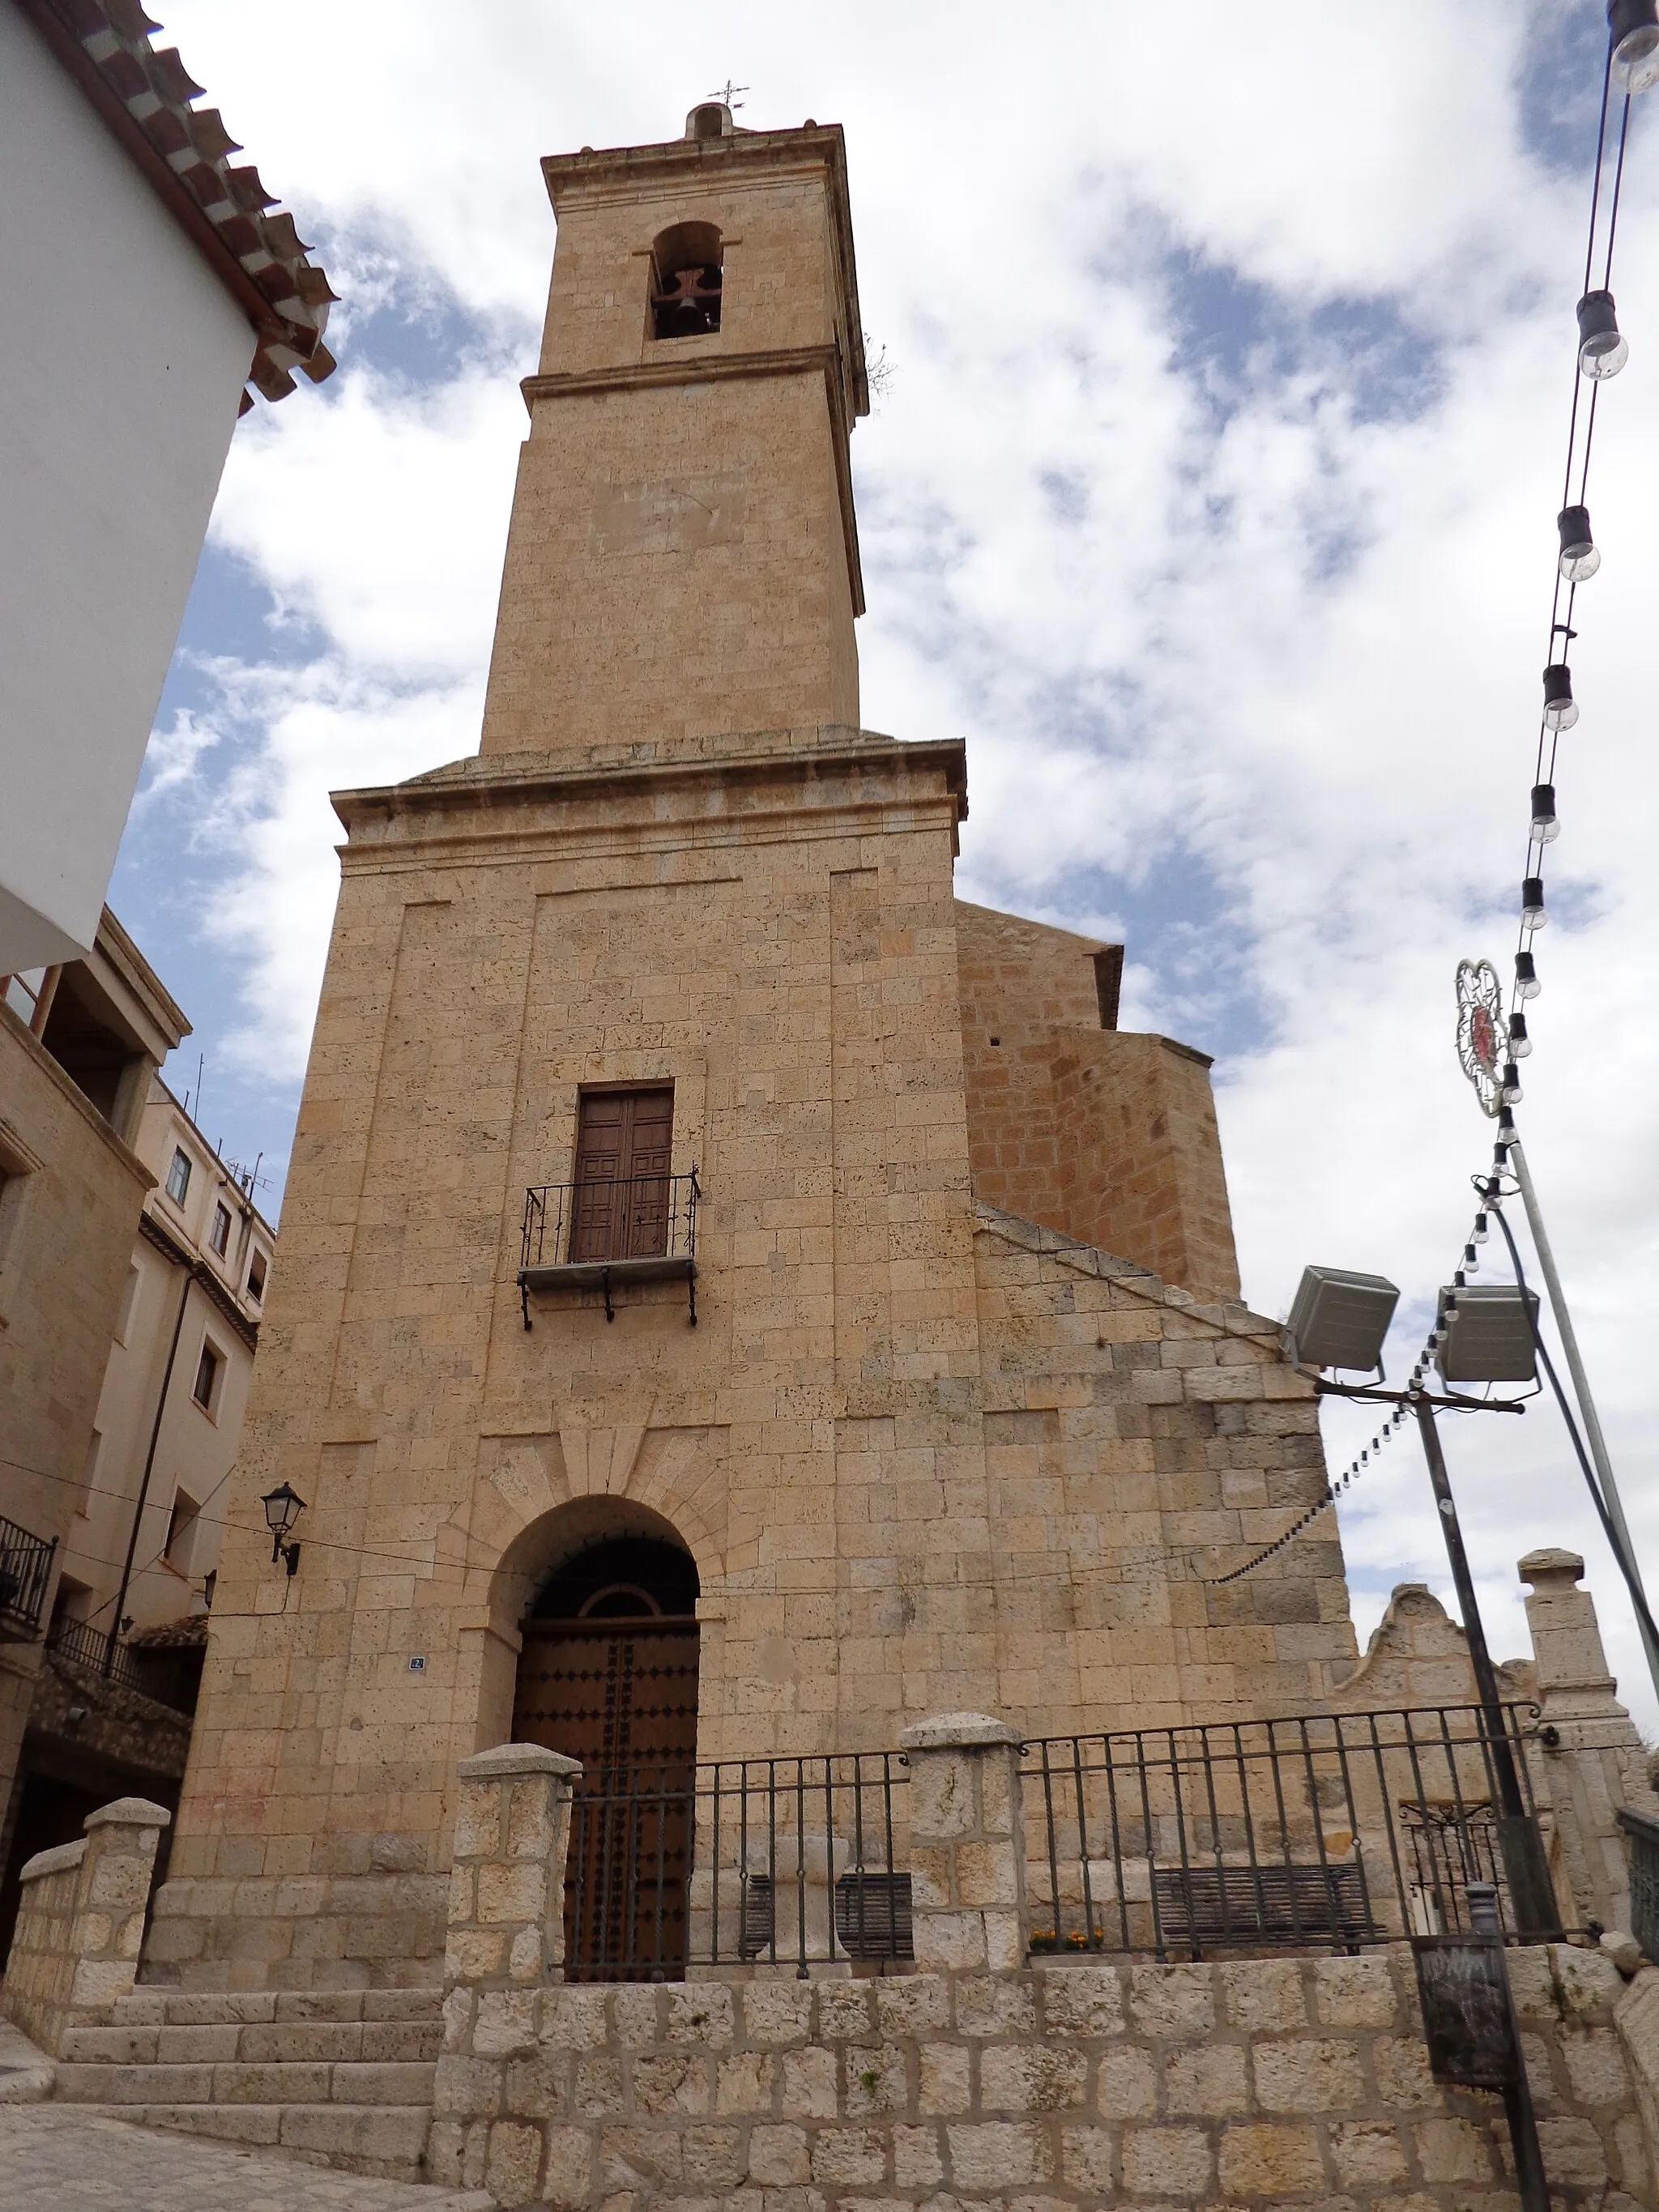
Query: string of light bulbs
{"type": "Point", "coordinates": [1633, 67]}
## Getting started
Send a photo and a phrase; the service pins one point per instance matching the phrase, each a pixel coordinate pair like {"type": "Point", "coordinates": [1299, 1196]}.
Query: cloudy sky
{"type": "Point", "coordinates": [1212, 499]}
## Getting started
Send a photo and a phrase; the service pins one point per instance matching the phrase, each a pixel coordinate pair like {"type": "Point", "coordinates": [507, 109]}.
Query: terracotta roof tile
{"type": "Point", "coordinates": [172, 1636]}
{"type": "Point", "coordinates": [259, 254]}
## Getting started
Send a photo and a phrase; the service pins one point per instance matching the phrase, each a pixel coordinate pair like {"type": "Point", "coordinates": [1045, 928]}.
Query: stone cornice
{"type": "Point", "coordinates": [499, 812]}
{"type": "Point", "coordinates": [219, 1297]}
{"type": "Point", "coordinates": [618, 173]}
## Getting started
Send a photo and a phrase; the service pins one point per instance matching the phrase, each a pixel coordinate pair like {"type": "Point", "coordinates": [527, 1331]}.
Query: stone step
{"type": "Point", "coordinates": [155, 2007]}
{"type": "Point", "coordinates": [362, 2085]}
{"type": "Point", "coordinates": [261, 2043]}
{"type": "Point", "coordinates": [387, 2142]}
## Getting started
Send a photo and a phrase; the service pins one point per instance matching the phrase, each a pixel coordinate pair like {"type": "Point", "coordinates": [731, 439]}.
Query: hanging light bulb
{"type": "Point", "coordinates": [1633, 29]}
{"type": "Point", "coordinates": [1520, 1046]}
{"type": "Point", "coordinates": [1534, 913]}
{"type": "Point", "coordinates": [1526, 984]}
{"type": "Point", "coordinates": [1560, 708]}
{"type": "Point", "coordinates": [1481, 1231]}
{"type": "Point", "coordinates": [1580, 556]}
{"type": "Point", "coordinates": [1546, 828]}
{"type": "Point", "coordinates": [1512, 1093]}
{"type": "Point", "coordinates": [1471, 1261]}
{"type": "Point", "coordinates": [1601, 348]}
{"type": "Point", "coordinates": [1505, 1135]}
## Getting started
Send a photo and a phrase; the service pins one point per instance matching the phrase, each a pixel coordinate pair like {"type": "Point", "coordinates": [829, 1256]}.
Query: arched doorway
{"type": "Point", "coordinates": [608, 1675]}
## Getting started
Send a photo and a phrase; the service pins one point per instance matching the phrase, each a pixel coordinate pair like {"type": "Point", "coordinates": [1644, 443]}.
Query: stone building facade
{"type": "Point", "coordinates": [925, 1451]}
{"type": "Point", "coordinates": [139, 1550]}
{"type": "Point", "coordinates": [79, 1046]}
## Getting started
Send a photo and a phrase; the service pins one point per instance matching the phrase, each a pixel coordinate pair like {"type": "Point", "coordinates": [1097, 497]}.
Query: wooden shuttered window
{"type": "Point", "coordinates": [624, 1142]}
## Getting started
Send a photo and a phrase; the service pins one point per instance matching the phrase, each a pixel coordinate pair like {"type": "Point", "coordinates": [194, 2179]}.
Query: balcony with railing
{"type": "Point", "coordinates": [94, 1651]}
{"type": "Point", "coordinates": [25, 1574]}
{"type": "Point", "coordinates": [606, 1231]}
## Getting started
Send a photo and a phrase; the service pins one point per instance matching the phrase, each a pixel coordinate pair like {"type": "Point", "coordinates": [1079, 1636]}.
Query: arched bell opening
{"type": "Point", "coordinates": [608, 1675]}
{"type": "Point", "coordinates": [686, 281]}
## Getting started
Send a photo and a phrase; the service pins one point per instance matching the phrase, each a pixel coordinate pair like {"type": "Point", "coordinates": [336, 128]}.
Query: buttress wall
{"type": "Point", "coordinates": [1107, 1135]}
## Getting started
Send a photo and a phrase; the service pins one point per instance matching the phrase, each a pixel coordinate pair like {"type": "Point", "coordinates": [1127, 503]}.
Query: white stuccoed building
{"type": "Point", "coordinates": [150, 284]}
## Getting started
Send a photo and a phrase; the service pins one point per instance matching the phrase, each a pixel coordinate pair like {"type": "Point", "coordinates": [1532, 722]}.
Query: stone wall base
{"type": "Point", "coordinates": [372, 1930]}
{"type": "Point", "coordinates": [1068, 2084]}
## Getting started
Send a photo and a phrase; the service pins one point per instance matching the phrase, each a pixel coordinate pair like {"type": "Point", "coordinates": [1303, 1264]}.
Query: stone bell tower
{"type": "Point", "coordinates": [715, 1258]}
{"type": "Point", "coordinates": [683, 558]}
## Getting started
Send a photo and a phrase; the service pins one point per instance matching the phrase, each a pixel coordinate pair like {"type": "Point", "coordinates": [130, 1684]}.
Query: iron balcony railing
{"type": "Point", "coordinates": [1320, 1832]}
{"type": "Point", "coordinates": [90, 1647]}
{"type": "Point", "coordinates": [607, 1218]}
{"type": "Point", "coordinates": [771, 1863]}
{"type": "Point", "coordinates": [606, 1230]}
{"type": "Point", "coordinates": [25, 1573]}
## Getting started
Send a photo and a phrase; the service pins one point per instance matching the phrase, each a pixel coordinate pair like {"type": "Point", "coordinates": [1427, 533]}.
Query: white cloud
{"type": "Point", "coordinates": [1234, 626]}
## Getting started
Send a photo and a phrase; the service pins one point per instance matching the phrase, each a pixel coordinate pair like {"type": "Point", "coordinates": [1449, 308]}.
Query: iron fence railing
{"type": "Point", "coordinates": [604, 1219]}
{"type": "Point", "coordinates": [1319, 1832]}
{"type": "Point", "coordinates": [771, 1863]}
{"type": "Point", "coordinates": [25, 1572]}
{"type": "Point", "coordinates": [1643, 1845]}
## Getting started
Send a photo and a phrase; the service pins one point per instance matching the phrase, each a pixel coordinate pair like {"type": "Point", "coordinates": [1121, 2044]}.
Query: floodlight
{"type": "Point", "coordinates": [1486, 1335]}
{"type": "Point", "coordinates": [1340, 1319]}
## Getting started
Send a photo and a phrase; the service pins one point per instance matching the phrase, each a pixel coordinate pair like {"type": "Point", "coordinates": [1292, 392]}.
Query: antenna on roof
{"type": "Point", "coordinates": [724, 94]}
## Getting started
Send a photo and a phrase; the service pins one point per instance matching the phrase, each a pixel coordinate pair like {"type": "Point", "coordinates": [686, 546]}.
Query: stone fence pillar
{"type": "Point", "coordinates": [967, 1842]}
{"type": "Point", "coordinates": [507, 1886]}
{"type": "Point", "coordinates": [81, 1922]}
{"type": "Point", "coordinates": [1592, 1758]}
{"type": "Point", "coordinates": [506, 1941]}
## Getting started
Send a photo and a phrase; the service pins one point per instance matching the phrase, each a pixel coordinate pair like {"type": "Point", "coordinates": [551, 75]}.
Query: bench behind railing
{"type": "Point", "coordinates": [1315, 1832]}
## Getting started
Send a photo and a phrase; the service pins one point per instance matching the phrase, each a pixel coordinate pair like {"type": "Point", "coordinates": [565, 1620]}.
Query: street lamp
{"type": "Point", "coordinates": [283, 1507]}
{"type": "Point", "coordinates": [1477, 1338]}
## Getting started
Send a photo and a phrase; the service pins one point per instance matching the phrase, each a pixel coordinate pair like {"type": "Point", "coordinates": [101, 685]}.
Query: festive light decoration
{"type": "Point", "coordinates": [1633, 31]}
{"type": "Point", "coordinates": [1580, 556]}
{"type": "Point", "coordinates": [1534, 913]}
{"type": "Point", "coordinates": [1602, 352]}
{"type": "Point", "coordinates": [1560, 708]}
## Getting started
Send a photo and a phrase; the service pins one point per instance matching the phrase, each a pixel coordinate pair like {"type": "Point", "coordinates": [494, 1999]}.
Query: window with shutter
{"type": "Point", "coordinates": [624, 1143]}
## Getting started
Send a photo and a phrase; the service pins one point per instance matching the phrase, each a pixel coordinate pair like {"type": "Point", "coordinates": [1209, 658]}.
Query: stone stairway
{"type": "Point", "coordinates": [342, 2077]}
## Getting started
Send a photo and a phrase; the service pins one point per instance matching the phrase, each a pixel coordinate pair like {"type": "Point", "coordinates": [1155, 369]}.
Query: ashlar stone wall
{"type": "Point", "coordinates": [81, 1922]}
{"type": "Point", "coordinates": [1104, 1134]}
{"type": "Point", "coordinates": [1261, 2083]}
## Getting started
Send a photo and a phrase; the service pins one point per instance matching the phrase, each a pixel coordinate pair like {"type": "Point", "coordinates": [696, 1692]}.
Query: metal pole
{"type": "Point", "coordinates": [1532, 2183]}
{"type": "Point", "coordinates": [144, 1487]}
{"type": "Point", "coordinates": [1532, 1896]}
{"type": "Point", "coordinates": [1593, 1436]}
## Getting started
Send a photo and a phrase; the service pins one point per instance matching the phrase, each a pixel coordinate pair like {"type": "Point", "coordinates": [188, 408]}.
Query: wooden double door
{"type": "Point", "coordinates": [621, 1697]}
{"type": "Point", "coordinates": [624, 1143]}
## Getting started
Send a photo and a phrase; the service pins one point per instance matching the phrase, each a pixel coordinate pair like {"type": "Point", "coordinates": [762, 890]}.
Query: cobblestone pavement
{"type": "Point", "coordinates": [55, 2158]}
